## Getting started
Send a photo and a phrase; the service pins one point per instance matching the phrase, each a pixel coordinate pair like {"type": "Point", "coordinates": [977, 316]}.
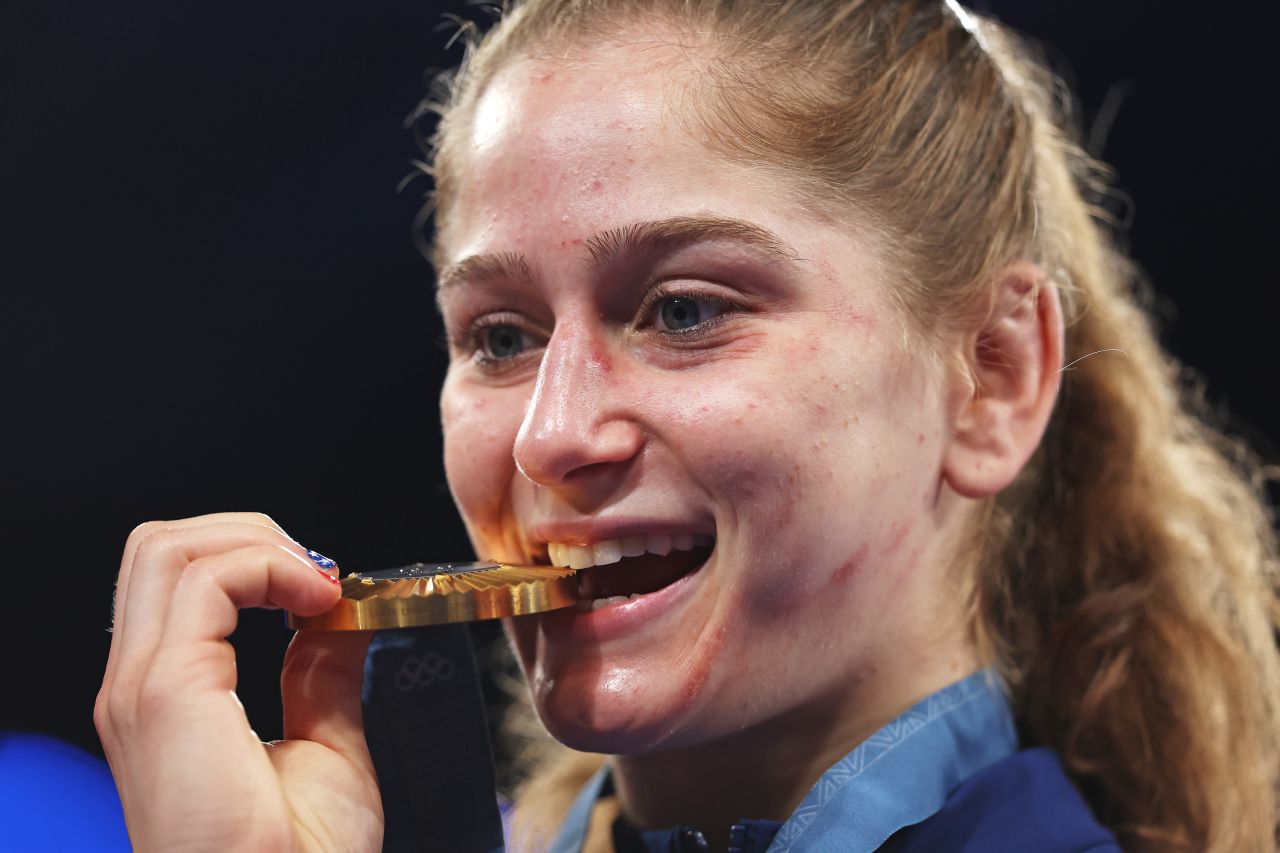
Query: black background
{"type": "Point", "coordinates": [212, 299]}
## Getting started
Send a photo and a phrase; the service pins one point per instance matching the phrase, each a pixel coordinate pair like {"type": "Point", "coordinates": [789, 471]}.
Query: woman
{"type": "Point", "coordinates": [791, 324]}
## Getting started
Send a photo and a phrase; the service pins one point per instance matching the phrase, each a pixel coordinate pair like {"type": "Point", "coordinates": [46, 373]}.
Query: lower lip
{"type": "Point", "coordinates": [569, 624]}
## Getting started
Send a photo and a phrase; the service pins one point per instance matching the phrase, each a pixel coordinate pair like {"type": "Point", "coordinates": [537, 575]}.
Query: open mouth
{"type": "Point", "coordinates": [633, 567]}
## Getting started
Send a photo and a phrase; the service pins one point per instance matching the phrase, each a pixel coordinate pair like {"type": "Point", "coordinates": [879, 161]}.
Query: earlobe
{"type": "Point", "coordinates": [999, 412]}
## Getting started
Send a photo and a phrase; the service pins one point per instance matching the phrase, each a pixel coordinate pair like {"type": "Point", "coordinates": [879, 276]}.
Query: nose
{"type": "Point", "coordinates": [577, 428]}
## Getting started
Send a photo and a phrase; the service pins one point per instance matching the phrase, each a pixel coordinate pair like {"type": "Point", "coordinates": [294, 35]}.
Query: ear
{"type": "Point", "coordinates": [999, 412]}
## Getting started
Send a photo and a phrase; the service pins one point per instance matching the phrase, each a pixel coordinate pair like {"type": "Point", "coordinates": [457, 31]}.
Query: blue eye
{"type": "Point", "coordinates": [502, 342]}
{"type": "Point", "coordinates": [678, 313]}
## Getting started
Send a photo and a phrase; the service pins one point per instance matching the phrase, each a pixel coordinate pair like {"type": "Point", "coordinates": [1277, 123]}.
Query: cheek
{"type": "Point", "coordinates": [824, 480]}
{"type": "Point", "coordinates": [479, 434]}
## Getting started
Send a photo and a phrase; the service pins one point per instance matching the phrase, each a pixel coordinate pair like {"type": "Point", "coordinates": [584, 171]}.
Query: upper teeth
{"type": "Point", "coordinates": [612, 550]}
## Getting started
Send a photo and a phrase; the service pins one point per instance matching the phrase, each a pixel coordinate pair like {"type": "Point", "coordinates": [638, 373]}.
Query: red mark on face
{"type": "Point", "coordinates": [850, 567]}
{"type": "Point", "coordinates": [898, 534]}
{"type": "Point", "coordinates": [785, 512]}
{"type": "Point", "coordinates": [700, 669]}
{"type": "Point", "coordinates": [595, 184]}
{"type": "Point", "coordinates": [920, 438]}
{"type": "Point", "coordinates": [859, 318]}
{"type": "Point", "coordinates": [599, 358]}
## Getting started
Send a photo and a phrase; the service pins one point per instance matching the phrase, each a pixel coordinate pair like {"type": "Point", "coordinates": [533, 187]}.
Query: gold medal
{"type": "Point", "coordinates": [437, 593]}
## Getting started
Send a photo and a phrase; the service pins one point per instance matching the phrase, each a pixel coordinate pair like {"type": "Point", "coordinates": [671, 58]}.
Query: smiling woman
{"type": "Point", "coordinates": [789, 326]}
{"type": "Point", "coordinates": [805, 284]}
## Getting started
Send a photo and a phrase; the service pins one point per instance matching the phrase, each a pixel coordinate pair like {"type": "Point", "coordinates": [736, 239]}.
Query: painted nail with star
{"type": "Point", "coordinates": [324, 565]}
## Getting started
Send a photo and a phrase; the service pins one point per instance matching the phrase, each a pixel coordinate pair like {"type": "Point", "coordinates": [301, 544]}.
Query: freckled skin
{"type": "Point", "coordinates": [789, 436]}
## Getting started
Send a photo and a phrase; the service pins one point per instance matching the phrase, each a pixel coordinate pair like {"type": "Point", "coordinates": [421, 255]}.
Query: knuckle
{"type": "Point", "coordinates": [267, 520]}
{"type": "Point", "coordinates": [140, 533]}
{"type": "Point", "coordinates": [101, 712]}
{"type": "Point", "coordinates": [157, 536]}
{"type": "Point", "coordinates": [116, 710]}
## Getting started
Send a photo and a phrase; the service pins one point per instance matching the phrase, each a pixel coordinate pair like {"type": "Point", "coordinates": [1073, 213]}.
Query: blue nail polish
{"type": "Point", "coordinates": [321, 560]}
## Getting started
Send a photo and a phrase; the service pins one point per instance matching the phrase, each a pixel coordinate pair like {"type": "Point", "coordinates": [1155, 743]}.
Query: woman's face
{"type": "Point", "coordinates": [651, 345]}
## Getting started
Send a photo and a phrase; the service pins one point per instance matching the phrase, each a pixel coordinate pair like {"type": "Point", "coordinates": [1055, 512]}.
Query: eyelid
{"type": "Point", "coordinates": [464, 332]}
{"type": "Point", "coordinates": [660, 291]}
{"type": "Point", "coordinates": [470, 342]}
{"type": "Point", "coordinates": [466, 337]}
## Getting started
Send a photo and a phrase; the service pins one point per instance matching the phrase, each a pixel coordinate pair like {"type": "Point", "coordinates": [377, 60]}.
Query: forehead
{"type": "Point", "coordinates": [563, 147]}
{"type": "Point", "coordinates": [561, 150]}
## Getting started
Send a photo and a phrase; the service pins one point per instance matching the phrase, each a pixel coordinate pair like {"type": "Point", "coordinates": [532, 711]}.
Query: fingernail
{"type": "Point", "coordinates": [324, 565]}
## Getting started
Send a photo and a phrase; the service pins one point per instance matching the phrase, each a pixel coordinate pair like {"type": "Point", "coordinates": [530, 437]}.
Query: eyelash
{"type": "Point", "coordinates": [474, 345]}
{"type": "Point", "coordinates": [474, 340]}
{"type": "Point", "coordinates": [654, 296]}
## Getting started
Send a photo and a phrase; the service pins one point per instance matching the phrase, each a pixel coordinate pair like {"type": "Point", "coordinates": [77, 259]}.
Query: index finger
{"type": "Point", "coordinates": [137, 536]}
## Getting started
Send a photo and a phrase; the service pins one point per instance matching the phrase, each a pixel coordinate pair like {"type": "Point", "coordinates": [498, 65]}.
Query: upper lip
{"type": "Point", "coordinates": [591, 531]}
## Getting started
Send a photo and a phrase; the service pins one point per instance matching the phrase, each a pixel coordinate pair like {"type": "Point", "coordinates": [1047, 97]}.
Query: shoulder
{"type": "Point", "coordinates": [1022, 803]}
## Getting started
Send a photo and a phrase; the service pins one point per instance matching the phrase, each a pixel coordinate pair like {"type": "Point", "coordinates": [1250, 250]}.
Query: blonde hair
{"type": "Point", "coordinates": [1125, 585]}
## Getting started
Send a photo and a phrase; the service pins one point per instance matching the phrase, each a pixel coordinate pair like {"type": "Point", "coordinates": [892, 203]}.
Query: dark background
{"type": "Point", "coordinates": [212, 299]}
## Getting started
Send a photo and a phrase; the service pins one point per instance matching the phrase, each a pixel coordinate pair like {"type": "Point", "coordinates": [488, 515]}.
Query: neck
{"type": "Point", "coordinates": [765, 771]}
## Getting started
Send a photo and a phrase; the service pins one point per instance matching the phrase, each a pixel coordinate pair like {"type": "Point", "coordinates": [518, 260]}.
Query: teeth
{"type": "Point", "coordinates": [579, 557]}
{"type": "Point", "coordinates": [612, 550]}
{"type": "Point", "coordinates": [606, 552]}
{"type": "Point", "coordinates": [658, 543]}
{"type": "Point", "coordinates": [605, 602]}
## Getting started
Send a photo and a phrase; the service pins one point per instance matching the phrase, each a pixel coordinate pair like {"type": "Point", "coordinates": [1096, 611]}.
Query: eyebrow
{"type": "Point", "coordinates": [477, 267]}
{"type": "Point", "coordinates": [660, 235]}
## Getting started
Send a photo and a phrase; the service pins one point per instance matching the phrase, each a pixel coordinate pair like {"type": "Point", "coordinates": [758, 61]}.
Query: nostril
{"type": "Point", "coordinates": [590, 471]}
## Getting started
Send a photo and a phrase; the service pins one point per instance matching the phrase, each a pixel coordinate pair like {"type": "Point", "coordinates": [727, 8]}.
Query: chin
{"type": "Point", "coordinates": [617, 712]}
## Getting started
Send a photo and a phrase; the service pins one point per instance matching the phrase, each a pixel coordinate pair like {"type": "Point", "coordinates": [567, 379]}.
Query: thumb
{"type": "Point", "coordinates": [320, 688]}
